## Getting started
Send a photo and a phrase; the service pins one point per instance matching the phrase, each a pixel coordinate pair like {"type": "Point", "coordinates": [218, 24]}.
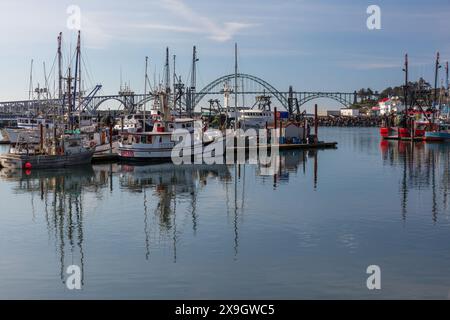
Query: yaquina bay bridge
{"type": "Point", "coordinates": [188, 99]}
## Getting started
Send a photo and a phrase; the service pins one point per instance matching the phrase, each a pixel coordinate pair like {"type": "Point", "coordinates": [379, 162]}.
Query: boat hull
{"type": "Point", "coordinates": [437, 136]}
{"type": "Point", "coordinates": [23, 161]}
{"type": "Point", "coordinates": [143, 154]}
{"type": "Point", "coordinates": [398, 133]}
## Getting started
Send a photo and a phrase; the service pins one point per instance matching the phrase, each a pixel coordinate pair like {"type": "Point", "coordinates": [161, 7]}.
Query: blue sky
{"type": "Point", "coordinates": [313, 45]}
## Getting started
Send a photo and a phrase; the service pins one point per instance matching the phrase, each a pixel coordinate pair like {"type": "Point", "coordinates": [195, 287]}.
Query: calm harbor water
{"type": "Point", "coordinates": [167, 232]}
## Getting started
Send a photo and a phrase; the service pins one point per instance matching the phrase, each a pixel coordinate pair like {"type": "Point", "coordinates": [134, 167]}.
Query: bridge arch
{"type": "Point", "coordinates": [220, 81]}
{"type": "Point", "coordinates": [346, 99]}
{"type": "Point", "coordinates": [98, 103]}
{"type": "Point", "coordinates": [150, 97]}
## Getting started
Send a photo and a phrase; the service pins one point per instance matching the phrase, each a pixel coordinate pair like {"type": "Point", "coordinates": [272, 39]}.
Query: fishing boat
{"type": "Point", "coordinates": [413, 121]}
{"type": "Point", "coordinates": [158, 144]}
{"type": "Point", "coordinates": [442, 134]}
{"type": "Point", "coordinates": [60, 144]}
{"type": "Point", "coordinates": [130, 123]}
{"type": "Point", "coordinates": [254, 118]}
{"type": "Point", "coordinates": [412, 124]}
{"type": "Point", "coordinates": [33, 123]}
{"type": "Point", "coordinates": [66, 151]}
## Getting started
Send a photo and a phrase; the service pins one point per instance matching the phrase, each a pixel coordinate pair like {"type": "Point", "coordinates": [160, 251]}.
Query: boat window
{"type": "Point", "coordinates": [149, 139]}
{"type": "Point", "coordinates": [73, 143]}
{"type": "Point", "coordinates": [143, 139]}
{"type": "Point", "coordinates": [183, 125]}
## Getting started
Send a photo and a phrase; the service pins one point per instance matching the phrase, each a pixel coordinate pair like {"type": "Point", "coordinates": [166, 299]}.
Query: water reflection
{"type": "Point", "coordinates": [170, 185]}
{"type": "Point", "coordinates": [167, 195]}
{"type": "Point", "coordinates": [289, 163]}
{"type": "Point", "coordinates": [61, 192]}
{"type": "Point", "coordinates": [424, 167]}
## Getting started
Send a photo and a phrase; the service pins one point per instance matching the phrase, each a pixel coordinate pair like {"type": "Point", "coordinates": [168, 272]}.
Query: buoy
{"type": "Point", "coordinates": [27, 165]}
{"type": "Point", "coordinates": [28, 172]}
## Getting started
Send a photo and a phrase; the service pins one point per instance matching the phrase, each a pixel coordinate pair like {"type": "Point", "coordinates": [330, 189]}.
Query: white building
{"type": "Point", "coordinates": [329, 113]}
{"type": "Point", "coordinates": [388, 105]}
{"type": "Point", "coordinates": [347, 112]}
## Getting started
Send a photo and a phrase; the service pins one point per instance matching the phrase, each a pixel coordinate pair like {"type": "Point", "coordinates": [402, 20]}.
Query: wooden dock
{"type": "Point", "coordinates": [415, 139]}
{"type": "Point", "coordinates": [114, 157]}
{"type": "Point", "coordinates": [293, 146]}
{"type": "Point", "coordinates": [319, 145]}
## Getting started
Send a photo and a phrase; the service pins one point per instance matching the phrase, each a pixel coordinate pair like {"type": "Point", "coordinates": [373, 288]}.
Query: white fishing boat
{"type": "Point", "coordinates": [254, 118]}
{"type": "Point", "coordinates": [130, 123]}
{"type": "Point", "coordinates": [158, 144]}
{"type": "Point", "coordinates": [31, 123]}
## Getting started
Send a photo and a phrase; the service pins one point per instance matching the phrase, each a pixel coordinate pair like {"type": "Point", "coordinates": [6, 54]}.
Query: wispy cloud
{"type": "Point", "coordinates": [173, 17]}
{"type": "Point", "coordinates": [201, 23]}
{"type": "Point", "coordinates": [166, 27]}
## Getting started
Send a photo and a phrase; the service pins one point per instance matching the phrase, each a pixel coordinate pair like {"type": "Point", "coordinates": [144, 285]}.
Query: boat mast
{"type": "Point", "coordinates": [174, 84]}
{"type": "Point", "coordinates": [235, 85]}
{"type": "Point", "coordinates": [30, 91]}
{"type": "Point", "coordinates": [46, 91]}
{"type": "Point", "coordinates": [166, 94]}
{"type": "Point", "coordinates": [167, 72]}
{"type": "Point", "coordinates": [436, 71]}
{"type": "Point", "coordinates": [193, 80]}
{"type": "Point", "coordinates": [446, 85]}
{"type": "Point", "coordinates": [145, 94]}
{"type": "Point", "coordinates": [60, 76]}
{"type": "Point", "coordinates": [405, 89]}
{"type": "Point", "coordinates": [446, 75]}
{"type": "Point", "coordinates": [77, 62]}
{"type": "Point", "coordinates": [69, 98]}
{"type": "Point", "coordinates": [80, 88]}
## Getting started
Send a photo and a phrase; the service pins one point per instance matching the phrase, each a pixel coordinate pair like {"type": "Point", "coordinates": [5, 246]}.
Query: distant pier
{"type": "Point", "coordinates": [341, 121]}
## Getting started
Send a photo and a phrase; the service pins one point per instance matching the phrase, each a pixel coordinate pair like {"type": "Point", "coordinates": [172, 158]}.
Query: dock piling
{"type": "Point", "coordinates": [316, 125]}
